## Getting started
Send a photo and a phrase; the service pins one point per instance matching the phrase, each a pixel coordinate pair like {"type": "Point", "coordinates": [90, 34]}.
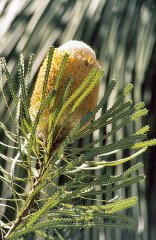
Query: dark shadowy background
{"type": "Point", "coordinates": [122, 33]}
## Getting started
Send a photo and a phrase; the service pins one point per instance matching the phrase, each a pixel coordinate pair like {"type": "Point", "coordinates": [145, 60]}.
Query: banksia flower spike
{"type": "Point", "coordinates": [81, 61]}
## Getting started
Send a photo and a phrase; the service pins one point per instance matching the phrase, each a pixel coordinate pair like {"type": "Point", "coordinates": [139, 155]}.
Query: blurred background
{"type": "Point", "coordinates": [123, 35]}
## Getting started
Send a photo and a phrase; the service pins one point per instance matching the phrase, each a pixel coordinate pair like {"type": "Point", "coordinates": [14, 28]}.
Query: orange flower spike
{"type": "Point", "coordinates": [81, 61]}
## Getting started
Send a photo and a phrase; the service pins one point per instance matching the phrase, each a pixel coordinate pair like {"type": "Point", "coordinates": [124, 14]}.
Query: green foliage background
{"type": "Point", "coordinates": [123, 35]}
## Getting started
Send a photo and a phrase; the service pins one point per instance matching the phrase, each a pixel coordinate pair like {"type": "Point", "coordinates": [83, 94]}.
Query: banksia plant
{"type": "Point", "coordinates": [52, 186]}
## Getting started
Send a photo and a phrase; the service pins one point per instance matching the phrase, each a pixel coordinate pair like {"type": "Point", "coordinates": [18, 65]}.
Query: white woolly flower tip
{"type": "Point", "coordinates": [78, 47]}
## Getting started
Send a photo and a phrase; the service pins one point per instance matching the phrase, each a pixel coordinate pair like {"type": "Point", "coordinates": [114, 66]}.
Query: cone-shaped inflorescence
{"type": "Point", "coordinates": [81, 61]}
